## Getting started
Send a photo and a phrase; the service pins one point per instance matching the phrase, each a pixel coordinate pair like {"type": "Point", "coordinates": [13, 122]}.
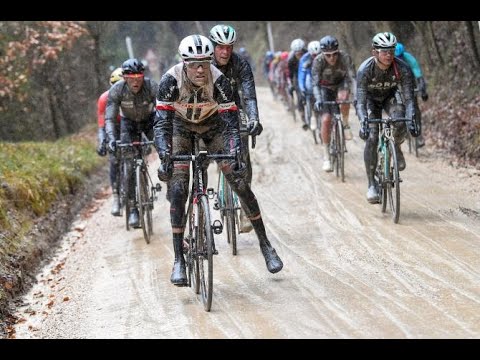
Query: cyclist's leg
{"type": "Point", "coordinates": [239, 184]}
{"type": "Point", "coordinates": [343, 95]}
{"type": "Point", "coordinates": [178, 189]}
{"type": "Point", "coordinates": [370, 152]}
{"type": "Point", "coordinates": [114, 176]}
{"type": "Point", "coordinates": [327, 111]}
{"type": "Point", "coordinates": [127, 132]}
{"type": "Point", "coordinates": [245, 224]}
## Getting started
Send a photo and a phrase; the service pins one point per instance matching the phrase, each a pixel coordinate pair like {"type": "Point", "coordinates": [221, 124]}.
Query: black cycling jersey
{"type": "Point", "coordinates": [240, 75]}
{"type": "Point", "coordinates": [378, 85]}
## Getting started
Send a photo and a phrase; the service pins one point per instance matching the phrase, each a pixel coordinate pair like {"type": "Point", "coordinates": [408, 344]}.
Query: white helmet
{"type": "Point", "coordinates": [196, 47]}
{"type": "Point", "coordinates": [384, 40]}
{"type": "Point", "coordinates": [223, 35]}
{"type": "Point", "coordinates": [297, 45]}
{"type": "Point", "coordinates": [314, 47]}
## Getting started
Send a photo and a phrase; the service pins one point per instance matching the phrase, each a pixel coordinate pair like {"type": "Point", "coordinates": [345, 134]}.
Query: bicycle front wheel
{"type": "Point", "coordinates": [143, 200]}
{"type": "Point", "coordinates": [204, 236]}
{"type": "Point", "coordinates": [394, 183]}
{"type": "Point", "coordinates": [230, 216]}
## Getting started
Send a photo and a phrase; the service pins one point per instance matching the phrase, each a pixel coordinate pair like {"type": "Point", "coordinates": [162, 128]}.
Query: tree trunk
{"type": "Point", "coordinates": [434, 42]}
{"type": "Point", "coordinates": [471, 39]}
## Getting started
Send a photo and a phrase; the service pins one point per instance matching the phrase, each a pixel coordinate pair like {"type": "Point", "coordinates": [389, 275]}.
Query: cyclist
{"type": "Point", "coordinates": [421, 85]}
{"type": "Point", "coordinates": [102, 140]}
{"type": "Point", "coordinates": [378, 80]}
{"type": "Point", "coordinates": [305, 70]}
{"type": "Point", "coordinates": [297, 47]}
{"type": "Point", "coordinates": [332, 75]}
{"type": "Point", "coordinates": [238, 71]}
{"type": "Point", "coordinates": [134, 98]}
{"type": "Point", "coordinates": [246, 55]}
{"type": "Point", "coordinates": [195, 97]}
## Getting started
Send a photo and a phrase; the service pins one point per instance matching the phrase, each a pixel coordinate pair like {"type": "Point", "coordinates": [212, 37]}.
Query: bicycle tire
{"type": "Point", "coordinates": [341, 149]}
{"type": "Point", "coordinates": [230, 216]}
{"type": "Point", "coordinates": [333, 151]}
{"type": "Point", "coordinates": [204, 238]}
{"type": "Point", "coordinates": [192, 262]}
{"type": "Point", "coordinates": [126, 189]}
{"type": "Point", "coordinates": [381, 172]}
{"type": "Point", "coordinates": [394, 183]}
{"type": "Point", "coordinates": [318, 130]}
{"type": "Point", "coordinates": [143, 201]}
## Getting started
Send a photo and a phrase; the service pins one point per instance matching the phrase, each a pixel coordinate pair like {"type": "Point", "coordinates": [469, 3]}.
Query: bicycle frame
{"type": "Point", "coordinates": [144, 190]}
{"type": "Point", "coordinates": [387, 174]}
{"type": "Point", "coordinates": [199, 243]}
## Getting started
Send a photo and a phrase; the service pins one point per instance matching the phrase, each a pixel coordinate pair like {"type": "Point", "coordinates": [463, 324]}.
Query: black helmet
{"type": "Point", "coordinates": [132, 66]}
{"type": "Point", "coordinates": [328, 43]}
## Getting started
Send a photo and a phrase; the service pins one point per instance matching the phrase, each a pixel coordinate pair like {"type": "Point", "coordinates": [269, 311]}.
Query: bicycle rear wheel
{"type": "Point", "coordinates": [317, 133]}
{"type": "Point", "coordinates": [394, 183]}
{"type": "Point", "coordinates": [204, 237]}
{"type": "Point", "coordinates": [341, 149]}
{"type": "Point", "coordinates": [126, 191]}
{"type": "Point", "coordinates": [230, 216]}
{"type": "Point", "coordinates": [143, 200]}
{"type": "Point", "coordinates": [380, 174]}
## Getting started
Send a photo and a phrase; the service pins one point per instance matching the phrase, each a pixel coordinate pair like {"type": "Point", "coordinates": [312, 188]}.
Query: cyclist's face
{"type": "Point", "coordinates": [197, 71]}
{"type": "Point", "coordinates": [331, 57]}
{"type": "Point", "coordinates": [222, 54]}
{"type": "Point", "coordinates": [134, 82]}
{"type": "Point", "coordinates": [384, 57]}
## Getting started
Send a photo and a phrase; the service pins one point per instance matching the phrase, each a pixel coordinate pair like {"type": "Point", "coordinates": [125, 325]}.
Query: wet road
{"type": "Point", "coordinates": [349, 272]}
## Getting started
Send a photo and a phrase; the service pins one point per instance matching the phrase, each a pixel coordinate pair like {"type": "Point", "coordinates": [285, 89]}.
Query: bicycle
{"type": "Point", "coordinates": [338, 146]}
{"type": "Point", "coordinates": [199, 246]}
{"type": "Point", "coordinates": [144, 190]}
{"type": "Point", "coordinates": [387, 175]}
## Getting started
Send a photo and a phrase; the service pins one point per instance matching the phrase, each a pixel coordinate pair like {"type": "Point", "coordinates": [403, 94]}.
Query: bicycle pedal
{"type": "Point", "coordinates": [210, 193]}
{"type": "Point", "coordinates": [217, 227]}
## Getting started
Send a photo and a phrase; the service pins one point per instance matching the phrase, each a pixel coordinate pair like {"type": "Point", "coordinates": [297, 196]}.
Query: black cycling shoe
{"type": "Point", "coordinates": [133, 219]}
{"type": "Point", "coordinates": [273, 261]}
{"type": "Point", "coordinates": [179, 274]}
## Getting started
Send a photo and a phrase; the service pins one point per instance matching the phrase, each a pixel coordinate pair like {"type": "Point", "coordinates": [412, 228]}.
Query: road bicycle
{"type": "Point", "coordinates": [338, 147]}
{"type": "Point", "coordinates": [134, 167]}
{"type": "Point", "coordinates": [387, 175]}
{"type": "Point", "coordinates": [199, 246]}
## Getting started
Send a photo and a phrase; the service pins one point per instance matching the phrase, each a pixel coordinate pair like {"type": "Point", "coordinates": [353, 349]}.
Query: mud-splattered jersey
{"type": "Point", "coordinates": [334, 77]}
{"type": "Point", "coordinates": [240, 75]}
{"type": "Point", "coordinates": [378, 85]}
{"type": "Point", "coordinates": [199, 111]}
{"type": "Point", "coordinates": [136, 107]}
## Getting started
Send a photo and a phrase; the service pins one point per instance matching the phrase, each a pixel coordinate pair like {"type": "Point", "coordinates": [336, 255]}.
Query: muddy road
{"type": "Point", "coordinates": [349, 271]}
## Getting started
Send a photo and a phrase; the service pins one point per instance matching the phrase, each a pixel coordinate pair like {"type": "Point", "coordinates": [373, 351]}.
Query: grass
{"type": "Point", "coordinates": [33, 176]}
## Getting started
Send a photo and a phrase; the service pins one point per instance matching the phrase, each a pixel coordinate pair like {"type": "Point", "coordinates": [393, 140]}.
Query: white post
{"type": "Point", "coordinates": [128, 41]}
{"type": "Point", "coordinates": [270, 36]}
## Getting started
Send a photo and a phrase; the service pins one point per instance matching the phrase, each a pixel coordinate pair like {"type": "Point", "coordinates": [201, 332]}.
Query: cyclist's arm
{"type": "Point", "coordinates": [101, 106]}
{"type": "Point", "coordinates": [316, 72]}
{"type": "Point", "coordinates": [113, 108]}
{"type": "Point", "coordinates": [413, 63]}
{"type": "Point", "coordinates": [249, 94]}
{"type": "Point", "coordinates": [168, 93]}
{"type": "Point", "coordinates": [302, 73]}
{"type": "Point", "coordinates": [361, 90]}
{"type": "Point", "coordinates": [227, 111]}
{"type": "Point", "coordinates": [408, 86]}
